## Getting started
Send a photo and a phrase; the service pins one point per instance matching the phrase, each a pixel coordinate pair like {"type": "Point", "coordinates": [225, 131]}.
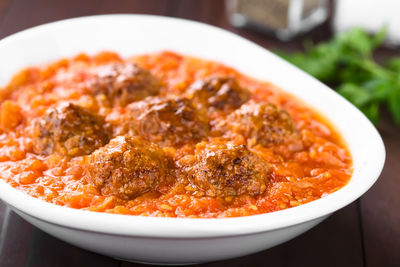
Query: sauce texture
{"type": "Point", "coordinates": [164, 135]}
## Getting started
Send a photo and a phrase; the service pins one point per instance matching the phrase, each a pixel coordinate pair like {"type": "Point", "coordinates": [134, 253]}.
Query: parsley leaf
{"type": "Point", "coordinates": [347, 63]}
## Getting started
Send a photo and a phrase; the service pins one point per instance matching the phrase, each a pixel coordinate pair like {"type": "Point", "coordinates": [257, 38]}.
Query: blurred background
{"type": "Point", "coordinates": [351, 45]}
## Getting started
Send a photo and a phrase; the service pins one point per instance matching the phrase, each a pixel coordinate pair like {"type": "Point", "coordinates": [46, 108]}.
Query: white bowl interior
{"type": "Point", "coordinates": [136, 34]}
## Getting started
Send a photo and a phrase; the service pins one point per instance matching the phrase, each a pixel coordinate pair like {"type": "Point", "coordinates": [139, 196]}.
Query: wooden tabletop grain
{"type": "Point", "coordinates": [365, 233]}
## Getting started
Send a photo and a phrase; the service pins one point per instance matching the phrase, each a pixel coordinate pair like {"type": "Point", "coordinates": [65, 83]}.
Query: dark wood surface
{"type": "Point", "coordinates": [365, 233]}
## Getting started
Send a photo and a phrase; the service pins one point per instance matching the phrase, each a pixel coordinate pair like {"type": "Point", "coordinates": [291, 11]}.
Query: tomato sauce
{"type": "Point", "coordinates": [322, 166]}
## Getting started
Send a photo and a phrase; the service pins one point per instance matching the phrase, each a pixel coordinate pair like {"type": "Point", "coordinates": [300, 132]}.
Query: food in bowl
{"type": "Point", "coordinates": [166, 135]}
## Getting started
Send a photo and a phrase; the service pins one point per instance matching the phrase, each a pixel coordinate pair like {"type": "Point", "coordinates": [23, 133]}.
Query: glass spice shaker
{"type": "Point", "coordinates": [282, 18]}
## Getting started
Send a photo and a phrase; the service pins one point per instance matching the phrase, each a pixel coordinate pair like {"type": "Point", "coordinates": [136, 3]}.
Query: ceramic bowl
{"type": "Point", "coordinates": [176, 240]}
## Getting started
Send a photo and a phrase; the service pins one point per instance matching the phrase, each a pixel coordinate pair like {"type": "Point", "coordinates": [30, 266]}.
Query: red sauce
{"type": "Point", "coordinates": [320, 167]}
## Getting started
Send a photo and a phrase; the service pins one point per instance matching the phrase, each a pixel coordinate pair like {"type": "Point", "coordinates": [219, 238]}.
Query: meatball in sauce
{"type": "Point", "coordinates": [264, 124]}
{"type": "Point", "coordinates": [119, 84]}
{"type": "Point", "coordinates": [223, 169]}
{"type": "Point", "coordinates": [128, 167]}
{"type": "Point", "coordinates": [167, 122]}
{"type": "Point", "coordinates": [218, 94]}
{"type": "Point", "coordinates": [69, 130]}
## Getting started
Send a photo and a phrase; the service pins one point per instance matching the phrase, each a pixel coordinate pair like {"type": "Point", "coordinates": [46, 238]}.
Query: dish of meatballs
{"type": "Point", "coordinates": [166, 135]}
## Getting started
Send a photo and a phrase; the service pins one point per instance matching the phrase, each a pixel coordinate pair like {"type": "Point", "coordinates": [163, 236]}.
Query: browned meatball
{"type": "Point", "coordinates": [265, 124]}
{"type": "Point", "coordinates": [128, 167]}
{"type": "Point", "coordinates": [68, 129]}
{"type": "Point", "coordinates": [123, 83]}
{"type": "Point", "coordinates": [218, 93]}
{"type": "Point", "coordinates": [167, 122]}
{"type": "Point", "coordinates": [223, 169]}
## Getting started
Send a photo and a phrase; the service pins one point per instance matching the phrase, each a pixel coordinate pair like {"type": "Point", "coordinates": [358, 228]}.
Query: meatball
{"type": "Point", "coordinates": [218, 93]}
{"type": "Point", "coordinates": [223, 169]}
{"type": "Point", "coordinates": [265, 124]}
{"type": "Point", "coordinates": [70, 130]}
{"type": "Point", "coordinates": [167, 122]}
{"type": "Point", "coordinates": [128, 167]}
{"type": "Point", "coordinates": [123, 83]}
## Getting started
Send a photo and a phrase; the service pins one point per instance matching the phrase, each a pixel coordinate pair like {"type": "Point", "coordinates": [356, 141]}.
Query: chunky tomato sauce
{"type": "Point", "coordinates": [121, 142]}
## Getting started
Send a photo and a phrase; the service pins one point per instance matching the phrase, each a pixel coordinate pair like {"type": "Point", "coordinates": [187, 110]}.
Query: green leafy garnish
{"type": "Point", "coordinates": [346, 62]}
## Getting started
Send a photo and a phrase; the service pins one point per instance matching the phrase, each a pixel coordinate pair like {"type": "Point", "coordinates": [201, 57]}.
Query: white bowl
{"type": "Point", "coordinates": [172, 240]}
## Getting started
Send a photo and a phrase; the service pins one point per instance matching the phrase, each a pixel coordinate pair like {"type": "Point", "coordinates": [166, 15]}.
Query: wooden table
{"type": "Point", "coordinates": [365, 233]}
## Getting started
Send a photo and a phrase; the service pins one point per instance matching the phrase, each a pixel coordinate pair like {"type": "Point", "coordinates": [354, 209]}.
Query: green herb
{"type": "Point", "coordinates": [347, 63]}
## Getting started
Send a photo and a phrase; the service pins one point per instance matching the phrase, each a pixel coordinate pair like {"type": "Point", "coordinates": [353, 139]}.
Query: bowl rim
{"type": "Point", "coordinates": [161, 227]}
